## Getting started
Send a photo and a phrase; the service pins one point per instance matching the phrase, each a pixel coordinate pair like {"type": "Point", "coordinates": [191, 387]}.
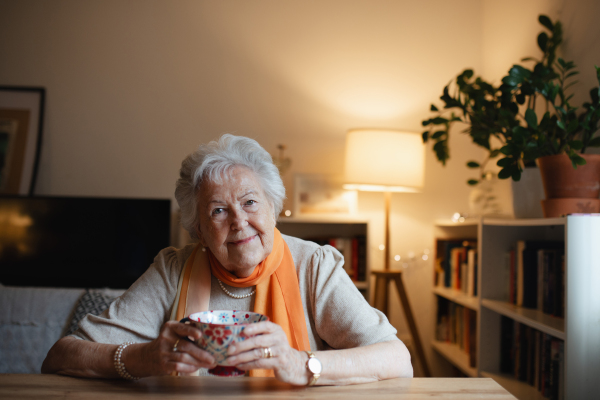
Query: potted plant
{"type": "Point", "coordinates": [531, 117]}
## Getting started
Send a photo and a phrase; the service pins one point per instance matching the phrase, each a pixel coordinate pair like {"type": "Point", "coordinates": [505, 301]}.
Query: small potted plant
{"type": "Point", "coordinates": [531, 117]}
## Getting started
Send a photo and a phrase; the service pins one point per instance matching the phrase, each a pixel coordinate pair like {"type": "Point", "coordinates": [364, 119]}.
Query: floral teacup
{"type": "Point", "coordinates": [219, 329]}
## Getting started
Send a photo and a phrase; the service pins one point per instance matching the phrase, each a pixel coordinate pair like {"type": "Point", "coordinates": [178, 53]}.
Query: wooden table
{"type": "Point", "coordinates": [22, 386]}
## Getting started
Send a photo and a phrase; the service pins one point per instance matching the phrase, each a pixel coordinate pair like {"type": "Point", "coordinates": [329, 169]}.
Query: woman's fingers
{"type": "Point", "coordinates": [263, 334]}
{"type": "Point", "coordinates": [261, 328]}
{"type": "Point", "coordinates": [257, 355]}
{"type": "Point", "coordinates": [201, 357]}
{"type": "Point", "coordinates": [178, 330]}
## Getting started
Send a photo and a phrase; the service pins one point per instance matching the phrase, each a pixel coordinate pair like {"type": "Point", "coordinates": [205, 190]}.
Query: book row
{"type": "Point", "coordinates": [457, 325]}
{"type": "Point", "coordinates": [354, 251]}
{"type": "Point", "coordinates": [535, 275]}
{"type": "Point", "coordinates": [456, 265]}
{"type": "Point", "coordinates": [533, 357]}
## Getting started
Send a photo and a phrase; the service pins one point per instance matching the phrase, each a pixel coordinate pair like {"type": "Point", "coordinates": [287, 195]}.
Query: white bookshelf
{"type": "Point", "coordinates": [579, 329]}
{"type": "Point", "coordinates": [330, 227]}
{"type": "Point", "coordinates": [458, 297]}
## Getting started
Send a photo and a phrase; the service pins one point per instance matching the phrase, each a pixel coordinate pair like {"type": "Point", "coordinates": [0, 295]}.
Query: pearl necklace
{"type": "Point", "coordinates": [235, 296]}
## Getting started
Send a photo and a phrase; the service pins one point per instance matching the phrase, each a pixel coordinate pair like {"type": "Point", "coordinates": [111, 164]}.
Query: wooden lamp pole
{"type": "Point", "coordinates": [382, 281]}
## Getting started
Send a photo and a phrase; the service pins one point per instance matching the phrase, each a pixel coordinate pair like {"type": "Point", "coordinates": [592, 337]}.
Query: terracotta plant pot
{"type": "Point", "coordinates": [561, 180]}
{"type": "Point", "coordinates": [553, 208]}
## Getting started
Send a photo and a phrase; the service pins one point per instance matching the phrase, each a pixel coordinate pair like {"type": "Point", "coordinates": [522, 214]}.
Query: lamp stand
{"type": "Point", "coordinates": [382, 281]}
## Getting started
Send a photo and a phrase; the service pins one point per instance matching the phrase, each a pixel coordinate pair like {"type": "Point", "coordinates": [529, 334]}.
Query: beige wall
{"type": "Point", "coordinates": [133, 86]}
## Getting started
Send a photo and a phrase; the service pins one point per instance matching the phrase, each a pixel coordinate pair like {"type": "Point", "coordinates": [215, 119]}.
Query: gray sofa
{"type": "Point", "coordinates": [32, 320]}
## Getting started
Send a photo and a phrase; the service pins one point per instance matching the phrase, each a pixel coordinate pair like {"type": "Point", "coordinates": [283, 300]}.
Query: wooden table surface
{"type": "Point", "coordinates": [37, 386]}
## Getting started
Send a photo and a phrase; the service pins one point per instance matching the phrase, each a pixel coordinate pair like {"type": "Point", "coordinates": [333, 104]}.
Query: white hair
{"type": "Point", "coordinates": [212, 161]}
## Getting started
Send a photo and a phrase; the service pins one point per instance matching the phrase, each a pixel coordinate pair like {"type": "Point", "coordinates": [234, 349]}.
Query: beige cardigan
{"type": "Point", "coordinates": [337, 315]}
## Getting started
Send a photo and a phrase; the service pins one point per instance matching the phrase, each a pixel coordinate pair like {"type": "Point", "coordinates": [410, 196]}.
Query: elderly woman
{"type": "Point", "coordinates": [230, 194]}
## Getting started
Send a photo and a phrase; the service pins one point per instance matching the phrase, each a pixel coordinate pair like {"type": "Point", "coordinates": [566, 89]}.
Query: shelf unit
{"type": "Point", "coordinates": [579, 329]}
{"type": "Point", "coordinates": [330, 227]}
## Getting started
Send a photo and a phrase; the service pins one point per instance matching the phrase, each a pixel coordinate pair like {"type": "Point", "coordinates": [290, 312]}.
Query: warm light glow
{"type": "Point", "coordinates": [397, 258]}
{"type": "Point", "coordinates": [379, 188]}
{"type": "Point", "coordinates": [381, 247]}
{"type": "Point", "coordinates": [425, 257]}
{"type": "Point", "coordinates": [288, 213]}
{"type": "Point", "coordinates": [384, 160]}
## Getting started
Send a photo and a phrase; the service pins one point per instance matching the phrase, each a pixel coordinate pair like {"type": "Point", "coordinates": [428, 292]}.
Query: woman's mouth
{"type": "Point", "coordinates": [243, 241]}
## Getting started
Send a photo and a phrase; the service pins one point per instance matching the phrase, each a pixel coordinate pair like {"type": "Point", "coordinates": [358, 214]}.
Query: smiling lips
{"type": "Point", "coordinates": [243, 241]}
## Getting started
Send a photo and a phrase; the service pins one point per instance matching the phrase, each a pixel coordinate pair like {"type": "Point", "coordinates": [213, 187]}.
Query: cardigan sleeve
{"type": "Point", "coordinates": [343, 318]}
{"type": "Point", "coordinates": [139, 313]}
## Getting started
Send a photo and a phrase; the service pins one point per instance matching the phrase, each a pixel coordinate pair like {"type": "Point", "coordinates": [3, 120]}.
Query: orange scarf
{"type": "Point", "coordinates": [277, 293]}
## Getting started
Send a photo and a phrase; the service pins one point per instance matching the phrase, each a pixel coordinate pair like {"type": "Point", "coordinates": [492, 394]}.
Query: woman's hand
{"type": "Point", "coordinates": [288, 364]}
{"type": "Point", "coordinates": [159, 358]}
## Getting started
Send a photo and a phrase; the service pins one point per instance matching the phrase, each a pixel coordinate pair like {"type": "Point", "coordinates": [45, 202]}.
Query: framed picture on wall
{"type": "Point", "coordinates": [321, 194]}
{"type": "Point", "coordinates": [21, 126]}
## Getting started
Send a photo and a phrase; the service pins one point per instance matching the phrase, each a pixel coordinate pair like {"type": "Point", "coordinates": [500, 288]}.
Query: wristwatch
{"type": "Point", "coordinates": [314, 366]}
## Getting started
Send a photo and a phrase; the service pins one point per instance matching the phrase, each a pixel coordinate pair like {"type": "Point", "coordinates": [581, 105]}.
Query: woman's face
{"type": "Point", "coordinates": [236, 221]}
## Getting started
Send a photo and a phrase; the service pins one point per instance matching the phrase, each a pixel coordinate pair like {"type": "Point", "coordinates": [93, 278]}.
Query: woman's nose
{"type": "Point", "coordinates": [239, 220]}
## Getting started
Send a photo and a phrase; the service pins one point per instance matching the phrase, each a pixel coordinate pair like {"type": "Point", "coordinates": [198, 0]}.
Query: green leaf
{"type": "Point", "coordinates": [576, 144]}
{"type": "Point", "coordinates": [467, 74]}
{"type": "Point", "coordinates": [426, 122]}
{"type": "Point", "coordinates": [562, 62]}
{"type": "Point", "coordinates": [504, 173]}
{"type": "Point", "coordinates": [504, 162]}
{"type": "Point", "coordinates": [473, 164]}
{"type": "Point", "coordinates": [472, 182]}
{"type": "Point", "coordinates": [494, 153]}
{"type": "Point", "coordinates": [542, 41]}
{"type": "Point", "coordinates": [576, 159]}
{"type": "Point", "coordinates": [433, 108]}
{"type": "Point", "coordinates": [437, 134]}
{"type": "Point", "coordinates": [544, 20]}
{"type": "Point", "coordinates": [425, 136]}
{"type": "Point", "coordinates": [573, 125]}
{"type": "Point", "coordinates": [519, 72]}
{"type": "Point", "coordinates": [561, 125]}
{"type": "Point", "coordinates": [531, 118]}
{"type": "Point", "coordinates": [516, 175]}
{"type": "Point", "coordinates": [511, 81]}
{"type": "Point", "coordinates": [439, 120]}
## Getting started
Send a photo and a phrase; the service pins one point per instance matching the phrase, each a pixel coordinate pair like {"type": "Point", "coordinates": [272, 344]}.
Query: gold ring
{"type": "Point", "coordinates": [175, 345]}
{"type": "Point", "coordinates": [267, 353]}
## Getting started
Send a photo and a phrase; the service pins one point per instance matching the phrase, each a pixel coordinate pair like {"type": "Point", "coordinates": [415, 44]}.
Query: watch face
{"type": "Point", "coordinates": [314, 366]}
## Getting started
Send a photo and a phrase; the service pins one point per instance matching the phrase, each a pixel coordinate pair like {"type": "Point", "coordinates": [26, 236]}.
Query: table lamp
{"type": "Point", "coordinates": [383, 160]}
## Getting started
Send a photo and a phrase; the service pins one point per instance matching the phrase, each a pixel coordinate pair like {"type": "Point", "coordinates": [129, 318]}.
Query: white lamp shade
{"type": "Point", "coordinates": [384, 160]}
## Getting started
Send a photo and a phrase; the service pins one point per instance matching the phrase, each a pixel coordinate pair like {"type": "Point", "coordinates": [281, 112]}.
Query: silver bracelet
{"type": "Point", "coordinates": [120, 366]}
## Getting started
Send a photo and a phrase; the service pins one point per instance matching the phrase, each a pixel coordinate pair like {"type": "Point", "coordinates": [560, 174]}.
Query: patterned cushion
{"type": "Point", "coordinates": [91, 302]}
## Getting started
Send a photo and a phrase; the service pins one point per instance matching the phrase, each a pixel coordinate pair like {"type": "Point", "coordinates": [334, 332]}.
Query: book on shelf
{"type": "Point", "coordinates": [457, 325]}
{"type": "Point", "coordinates": [533, 357]}
{"type": "Point", "coordinates": [536, 276]}
{"type": "Point", "coordinates": [354, 250]}
{"type": "Point", "coordinates": [456, 265]}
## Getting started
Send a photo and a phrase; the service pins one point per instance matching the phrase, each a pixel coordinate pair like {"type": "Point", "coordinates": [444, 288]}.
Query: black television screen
{"type": "Point", "coordinates": [80, 242]}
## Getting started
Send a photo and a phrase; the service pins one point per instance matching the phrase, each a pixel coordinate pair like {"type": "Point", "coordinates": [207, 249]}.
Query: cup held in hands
{"type": "Point", "coordinates": [219, 329]}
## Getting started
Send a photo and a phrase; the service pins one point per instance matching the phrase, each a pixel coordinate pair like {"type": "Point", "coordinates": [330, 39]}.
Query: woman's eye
{"type": "Point", "coordinates": [250, 202]}
{"type": "Point", "coordinates": [217, 211]}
